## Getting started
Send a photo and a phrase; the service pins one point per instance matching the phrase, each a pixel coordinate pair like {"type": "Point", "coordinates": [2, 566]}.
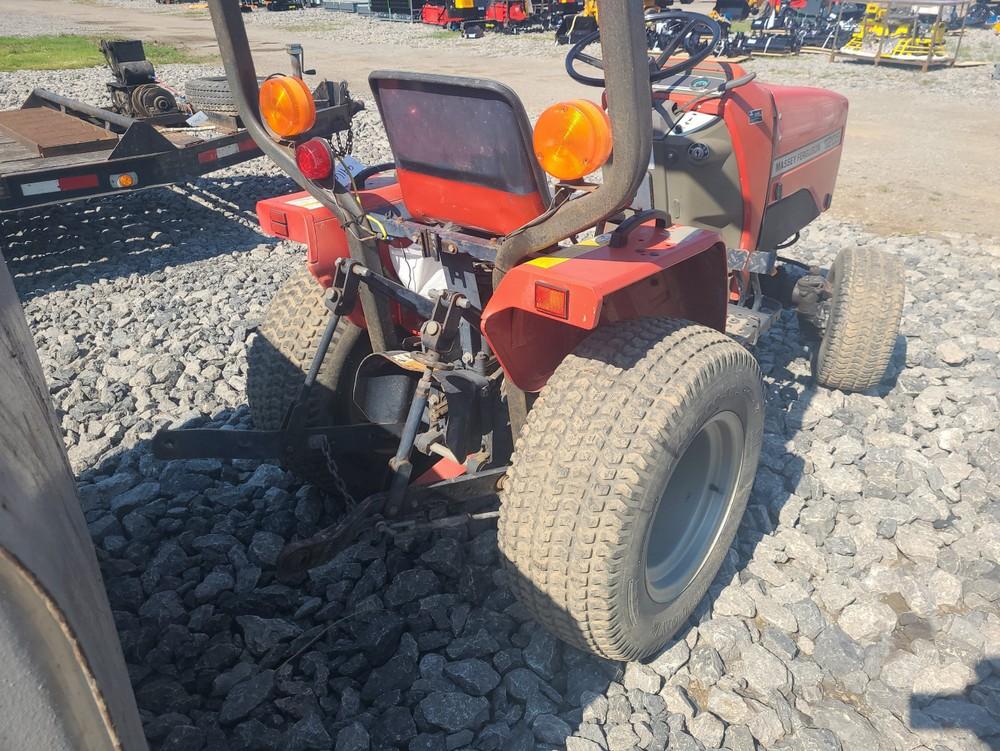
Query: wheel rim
{"type": "Point", "coordinates": [694, 507]}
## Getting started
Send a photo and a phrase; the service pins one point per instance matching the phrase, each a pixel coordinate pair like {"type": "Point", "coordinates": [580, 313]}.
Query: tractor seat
{"type": "Point", "coordinates": [463, 151]}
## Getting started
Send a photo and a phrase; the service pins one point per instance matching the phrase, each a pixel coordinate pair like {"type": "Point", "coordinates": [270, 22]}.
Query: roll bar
{"type": "Point", "coordinates": [227, 18]}
{"type": "Point", "coordinates": [626, 70]}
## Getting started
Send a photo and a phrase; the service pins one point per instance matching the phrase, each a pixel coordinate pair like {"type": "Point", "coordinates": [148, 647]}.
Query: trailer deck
{"type": "Point", "coordinates": [75, 151]}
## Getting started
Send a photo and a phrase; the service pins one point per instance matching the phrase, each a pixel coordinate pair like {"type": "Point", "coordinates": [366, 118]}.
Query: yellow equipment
{"type": "Point", "coordinates": [896, 36]}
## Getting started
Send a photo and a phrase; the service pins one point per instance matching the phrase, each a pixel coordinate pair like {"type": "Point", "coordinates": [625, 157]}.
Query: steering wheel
{"type": "Point", "coordinates": [693, 24]}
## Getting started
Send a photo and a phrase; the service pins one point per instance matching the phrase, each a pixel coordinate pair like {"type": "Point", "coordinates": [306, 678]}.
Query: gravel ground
{"type": "Point", "coordinates": [859, 609]}
{"type": "Point", "coordinates": [17, 24]}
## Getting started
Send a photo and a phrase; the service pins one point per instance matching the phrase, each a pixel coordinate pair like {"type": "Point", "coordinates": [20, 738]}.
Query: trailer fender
{"type": "Point", "coordinates": [546, 306]}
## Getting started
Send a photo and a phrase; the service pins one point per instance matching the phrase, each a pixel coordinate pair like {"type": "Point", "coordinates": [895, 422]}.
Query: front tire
{"type": "Point", "coordinates": [629, 481]}
{"type": "Point", "coordinates": [863, 322]}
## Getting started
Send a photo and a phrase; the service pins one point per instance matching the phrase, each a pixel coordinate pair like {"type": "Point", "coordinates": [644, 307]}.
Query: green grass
{"type": "Point", "coordinates": [445, 34]}
{"type": "Point", "coordinates": [73, 51]}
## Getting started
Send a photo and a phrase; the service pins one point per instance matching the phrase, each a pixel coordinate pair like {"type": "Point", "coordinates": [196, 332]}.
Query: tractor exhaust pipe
{"type": "Point", "coordinates": [626, 70]}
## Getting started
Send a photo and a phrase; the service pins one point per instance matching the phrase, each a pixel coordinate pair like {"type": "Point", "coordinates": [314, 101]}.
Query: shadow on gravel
{"type": "Point", "coordinates": [401, 641]}
{"type": "Point", "coordinates": [937, 712]}
{"type": "Point", "coordinates": [59, 247]}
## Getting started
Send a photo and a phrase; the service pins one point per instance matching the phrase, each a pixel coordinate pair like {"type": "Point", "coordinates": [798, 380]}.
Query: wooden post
{"type": "Point", "coordinates": [930, 49]}
{"type": "Point", "coordinates": [881, 37]}
{"type": "Point", "coordinates": [961, 34]}
{"type": "Point", "coordinates": [65, 683]}
{"type": "Point", "coordinates": [840, 15]}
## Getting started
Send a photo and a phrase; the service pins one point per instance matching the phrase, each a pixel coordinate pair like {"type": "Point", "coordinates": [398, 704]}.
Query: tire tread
{"type": "Point", "coordinates": [581, 465]}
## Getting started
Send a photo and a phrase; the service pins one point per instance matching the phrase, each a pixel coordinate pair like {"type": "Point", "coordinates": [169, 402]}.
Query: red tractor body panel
{"type": "Point", "coordinates": [809, 142]}
{"type": "Point", "coordinates": [676, 272]}
{"type": "Point", "coordinates": [301, 218]}
{"type": "Point", "coordinates": [786, 139]}
{"type": "Point", "coordinates": [432, 198]}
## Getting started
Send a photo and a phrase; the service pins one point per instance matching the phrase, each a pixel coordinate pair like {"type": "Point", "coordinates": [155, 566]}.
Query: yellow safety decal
{"type": "Point", "coordinates": [405, 361]}
{"type": "Point", "coordinates": [547, 262]}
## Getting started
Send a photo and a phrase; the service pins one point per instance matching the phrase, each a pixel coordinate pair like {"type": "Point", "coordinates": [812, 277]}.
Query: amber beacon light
{"type": "Point", "coordinates": [572, 139]}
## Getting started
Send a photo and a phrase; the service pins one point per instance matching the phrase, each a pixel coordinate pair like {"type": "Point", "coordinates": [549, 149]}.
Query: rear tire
{"type": "Point", "coordinates": [863, 323]}
{"type": "Point", "coordinates": [277, 362]}
{"type": "Point", "coordinates": [625, 428]}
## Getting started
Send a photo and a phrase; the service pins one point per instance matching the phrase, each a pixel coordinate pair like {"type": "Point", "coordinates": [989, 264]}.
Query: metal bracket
{"type": "Point", "coordinates": [754, 261]}
{"type": "Point", "coordinates": [438, 334]}
{"type": "Point", "coordinates": [266, 444]}
{"type": "Point", "coordinates": [620, 235]}
{"type": "Point", "coordinates": [747, 325]}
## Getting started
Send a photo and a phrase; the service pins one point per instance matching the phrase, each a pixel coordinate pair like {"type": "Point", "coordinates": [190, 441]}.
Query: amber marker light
{"type": "Point", "coordinates": [572, 139]}
{"type": "Point", "coordinates": [287, 106]}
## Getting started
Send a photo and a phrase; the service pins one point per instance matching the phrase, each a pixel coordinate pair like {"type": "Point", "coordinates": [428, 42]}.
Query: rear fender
{"type": "Point", "coordinates": [301, 218]}
{"type": "Point", "coordinates": [680, 273]}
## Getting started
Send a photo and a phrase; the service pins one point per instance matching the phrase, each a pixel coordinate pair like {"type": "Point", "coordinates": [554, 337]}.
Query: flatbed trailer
{"type": "Point", "coordinates": [55, 149]}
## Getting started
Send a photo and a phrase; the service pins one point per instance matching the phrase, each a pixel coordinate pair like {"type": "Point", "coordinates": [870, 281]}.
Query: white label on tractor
{"type": "Point", "coordinates": [805, 153]}
{"type": "Point", "coordinates": [307, 203]}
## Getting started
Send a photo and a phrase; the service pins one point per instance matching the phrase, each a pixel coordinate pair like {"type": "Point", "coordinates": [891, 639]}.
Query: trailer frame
{"type": "Point", "coordinates": [144, 156]}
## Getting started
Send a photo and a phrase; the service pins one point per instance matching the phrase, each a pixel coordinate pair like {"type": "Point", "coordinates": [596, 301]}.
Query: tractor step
{"type": "Point", "coordinates": [747, 326]}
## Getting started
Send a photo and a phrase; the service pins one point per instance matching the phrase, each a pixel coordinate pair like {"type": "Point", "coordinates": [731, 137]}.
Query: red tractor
{"type": "Point", "coordinates": [453, 14]}
{"type": "Point", "coordinates": [464, 327]}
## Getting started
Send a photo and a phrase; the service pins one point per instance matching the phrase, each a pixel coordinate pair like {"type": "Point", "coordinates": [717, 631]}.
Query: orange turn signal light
{"type": "Point", "coordinates": [287, 106]}
{"type": "Point", "coordinates": [551, 300]}
{"type": "Point", "coordinates": [572, 139]}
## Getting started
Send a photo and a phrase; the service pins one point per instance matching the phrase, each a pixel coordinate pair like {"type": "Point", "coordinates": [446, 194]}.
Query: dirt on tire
{"type": "Point", "coordinates": [592, 464]}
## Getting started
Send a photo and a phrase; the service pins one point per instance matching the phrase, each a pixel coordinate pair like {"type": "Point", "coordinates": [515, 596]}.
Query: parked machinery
{"type": "Point", "coordinates": [902, 34]}
{"type": "Point", "coordinates": [453, 14]}
{"type": "Point", "coordinates": [825, 30]}
{"type": "Point", "coordinates": [775, 30]}
{"type": "Point", "coordinates": [135, 92]}
{"type": "Point", "coordinates": [983, 15]}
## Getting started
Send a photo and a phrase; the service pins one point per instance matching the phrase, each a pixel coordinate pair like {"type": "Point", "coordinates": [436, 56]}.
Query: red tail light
{"type": "Point", "coordinates": [315, 159]}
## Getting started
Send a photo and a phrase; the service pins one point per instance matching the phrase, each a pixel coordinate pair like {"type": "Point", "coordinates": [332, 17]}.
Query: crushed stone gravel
{"type": "Point", "coordinates": [858, 609]}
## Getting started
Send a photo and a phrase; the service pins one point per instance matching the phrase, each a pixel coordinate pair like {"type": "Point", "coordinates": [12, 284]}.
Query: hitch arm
{"type": "Point", "coordinates": [268, 444]}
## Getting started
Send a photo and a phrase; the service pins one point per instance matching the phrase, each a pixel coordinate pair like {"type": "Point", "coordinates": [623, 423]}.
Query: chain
{"type": "Point", "coordinates": [342, 148]}
{"type": "Point", "coordinates": [334, 472]}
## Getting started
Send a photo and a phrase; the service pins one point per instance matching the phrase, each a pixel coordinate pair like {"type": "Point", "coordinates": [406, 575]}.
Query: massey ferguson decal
{"type": "Point", "coordinates": [803, 154]}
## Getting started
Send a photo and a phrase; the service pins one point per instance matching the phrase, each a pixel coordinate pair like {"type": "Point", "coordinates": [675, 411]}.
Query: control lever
{"type": "Point", "coordinates": [728, 86]}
